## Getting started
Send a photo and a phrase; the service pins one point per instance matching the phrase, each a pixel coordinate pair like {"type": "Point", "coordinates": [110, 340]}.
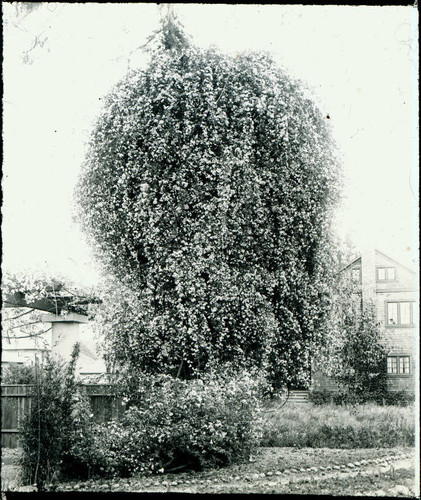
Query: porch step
{"type": "Point", "coordinates": [298, 397]}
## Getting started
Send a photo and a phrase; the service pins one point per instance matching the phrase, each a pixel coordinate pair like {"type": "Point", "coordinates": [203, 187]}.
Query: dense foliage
{"type": "Point", "coordinates": [173, 425]}
{"type": "Point", "coordinates": [396, 398]}
{"type": "Point", "coordinates": [18, 374]}
{"type": "Point", "coordinates": [207, 193]}
{"type": "Point", "coordinates": [355, 353]}
{"type": "Point", "coordinates": [52, 428]}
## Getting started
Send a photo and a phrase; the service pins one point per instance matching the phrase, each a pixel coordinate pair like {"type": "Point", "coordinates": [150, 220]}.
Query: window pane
{"type": "Point", "coordinates": [392, 365]}
{"type": "Point", "coordinates": [415, 311]}
{"type": "Point", "coordinates": [356, 275]}
{"type": "Point", "coordinates": [391, 273]}
{"type": "Point", "coordinates": [404, 364]}
{"type": "Point", "coordinates": [381, 273]}
{"type": "Point", "coordinates": [405, 313]}
{"type": "Point", "coordinates": [392, 313]}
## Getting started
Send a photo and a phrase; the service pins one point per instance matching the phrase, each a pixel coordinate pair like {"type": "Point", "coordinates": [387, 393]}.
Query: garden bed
{"type": "Point", "coordinates": [380, 472]}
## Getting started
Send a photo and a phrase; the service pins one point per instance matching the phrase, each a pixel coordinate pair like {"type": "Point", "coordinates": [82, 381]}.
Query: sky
{"type": "Point", "coordinates": [60, 59]}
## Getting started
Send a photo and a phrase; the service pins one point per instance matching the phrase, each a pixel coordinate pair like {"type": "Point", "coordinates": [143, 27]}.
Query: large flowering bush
{"type": "Point", "coordinates": [207, 195]}
{"type": "Point", "coordinates": [173, 425]}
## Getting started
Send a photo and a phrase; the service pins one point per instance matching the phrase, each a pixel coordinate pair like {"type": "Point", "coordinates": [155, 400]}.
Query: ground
{"type": "Point", "coordinates": [320, 471]}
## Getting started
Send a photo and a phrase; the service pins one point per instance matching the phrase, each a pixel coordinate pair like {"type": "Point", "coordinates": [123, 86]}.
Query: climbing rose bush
{"type": "Point", "coordinates": [207, 194]}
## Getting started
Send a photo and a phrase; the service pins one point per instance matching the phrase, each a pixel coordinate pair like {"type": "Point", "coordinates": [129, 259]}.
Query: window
{"type": "Point", "coordinates": [404, 364]}
{"type": "Point", "coordinates": [398, 365]}
{"type": "Point", "coordinates": [392, 364]}
{"type": "Point", "coordinates": [356, 275]}
{"type": "Point", "coordinates": [399, 313]}
{"type": "Point", "coordinates": [386, 274]}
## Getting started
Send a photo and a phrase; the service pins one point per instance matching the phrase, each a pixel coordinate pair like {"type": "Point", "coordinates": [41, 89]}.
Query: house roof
{"type": "Point", "coordinates": [410, 269]}
{"type": "Point", "coordinates": [350, 264]}
{"type": "Point", "coordinates": [355, 261]}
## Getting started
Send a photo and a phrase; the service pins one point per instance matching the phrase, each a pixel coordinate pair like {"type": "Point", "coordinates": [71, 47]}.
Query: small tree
{"type": "Point", "coordinates": [48, 429]}
{"type": "Point", "coordinates": [363, 356]}
{"type": "Point", "coordinates": [355, 353]}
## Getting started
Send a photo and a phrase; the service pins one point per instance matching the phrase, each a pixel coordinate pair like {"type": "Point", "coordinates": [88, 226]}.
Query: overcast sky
{"type": "Point", "coordinates": [60, 59]}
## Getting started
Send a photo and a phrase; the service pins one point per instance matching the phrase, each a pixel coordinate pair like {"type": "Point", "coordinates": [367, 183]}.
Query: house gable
{"type": "Point", "coordinates": [391, 274]}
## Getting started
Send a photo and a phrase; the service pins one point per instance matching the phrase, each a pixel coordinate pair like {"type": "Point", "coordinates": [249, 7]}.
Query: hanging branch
{"type": "Point", "coordinates": [25, 324]}
{"type": "Point", "coordinates": [141, 47]}
{"type": "Point", "coordinates": [19, 315]}
{"type": "Point", "coordinates": [31, 335]}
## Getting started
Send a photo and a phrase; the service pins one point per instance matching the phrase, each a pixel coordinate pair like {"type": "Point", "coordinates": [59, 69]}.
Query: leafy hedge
{"type": "Point", "coordinates": [323, 397]}
{"type": "Point", "coordinates": [399, 398]}
{"type": "Point", "coordinates": [178, 425]}
{"type": "Point", "coordinates": [18, 374]}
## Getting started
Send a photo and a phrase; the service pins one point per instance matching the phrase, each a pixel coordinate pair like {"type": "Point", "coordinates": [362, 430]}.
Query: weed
{"type": "Point", "coordinates": [330, 426]}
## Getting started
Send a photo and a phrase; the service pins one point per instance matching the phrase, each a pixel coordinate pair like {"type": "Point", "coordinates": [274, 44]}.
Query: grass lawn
{"type": "Point", "coordinates": [361, 426]}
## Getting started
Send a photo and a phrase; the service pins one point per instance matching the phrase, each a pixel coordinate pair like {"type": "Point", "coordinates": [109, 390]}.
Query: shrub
{"type": "Point", "coordinates": [320, 397]}
{"type": "Point", "coordinates": [323, 397]}
{"type": "Point", "coordinates": [50, 431]}
{"type": "Point", "coordinates": [174, 425]}
{"type": "Point", "coordinates": [399, 398]}
{"type": "Point", "coordinates": [18, 374]}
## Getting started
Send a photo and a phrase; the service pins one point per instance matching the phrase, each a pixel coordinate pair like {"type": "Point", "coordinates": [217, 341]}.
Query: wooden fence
{"type": "Point", "coordinates": [15, 401]}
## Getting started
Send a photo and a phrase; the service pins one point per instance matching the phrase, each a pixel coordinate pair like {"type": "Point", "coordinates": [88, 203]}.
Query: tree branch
{"type": "Point", "coordinates": [25, 324]}
{"type": "Point", "coordinates": [181, 366]}
{"type": "Point", "coordinates": [19, 315]}
{"type": "Point", "coordinates": [13, 304]}
{"type": "Point", "coordinates": [31, 335]}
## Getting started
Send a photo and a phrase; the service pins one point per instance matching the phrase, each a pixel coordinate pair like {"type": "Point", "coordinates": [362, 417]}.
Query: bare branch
{"type": "Point", "coordinates": [25, 324]}
{"type": "Point", "coordinates": [31, 335]}
{"type": "Point", "coordinates": [19, 315]}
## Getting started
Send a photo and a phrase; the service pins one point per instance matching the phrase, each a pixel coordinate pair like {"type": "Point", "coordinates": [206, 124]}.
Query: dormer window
{"type": "Point", "coordinates": [386, 273]}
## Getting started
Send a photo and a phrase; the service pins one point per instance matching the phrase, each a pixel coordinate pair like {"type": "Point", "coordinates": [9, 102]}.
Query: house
{"type": "Point", "coordinates": [65, 331]}
{"type": "Point", "coordinates": [391, 287]}
{"type": "Point", "coordinates": [68, 321]}
{"type": "Point", "coordinates": [23, 351]}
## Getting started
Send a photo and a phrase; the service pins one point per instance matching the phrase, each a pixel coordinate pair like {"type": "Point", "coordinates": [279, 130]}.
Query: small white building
{"type": "Point", "coordinates": [66, 330]}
